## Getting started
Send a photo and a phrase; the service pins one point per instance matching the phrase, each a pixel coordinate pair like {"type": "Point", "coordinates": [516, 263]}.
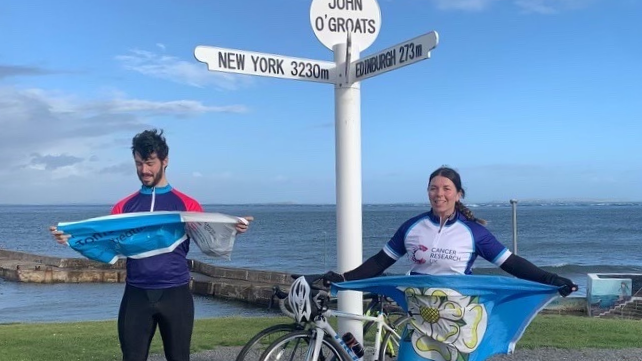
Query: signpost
{"type": "Point", "coordinates": [248, 62]}
{"type": "Point", "coordinates": [332, 20]}
{"type": "Point", "coordinates": [346, 27]}
{"type": "Point", "coordinates": [406, 53]}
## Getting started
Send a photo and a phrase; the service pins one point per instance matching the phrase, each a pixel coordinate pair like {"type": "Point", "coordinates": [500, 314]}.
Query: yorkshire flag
{"type": "Point", "coordinates": [459, 317]}
{"type": "Point", "coordinates": [145, 234]}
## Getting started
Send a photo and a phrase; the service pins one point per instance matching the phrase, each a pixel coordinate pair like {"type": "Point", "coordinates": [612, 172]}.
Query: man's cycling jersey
{"type": "Point", "coordinates": [167, 269]}
{"type": "Point", "coordinates": [449, 249]}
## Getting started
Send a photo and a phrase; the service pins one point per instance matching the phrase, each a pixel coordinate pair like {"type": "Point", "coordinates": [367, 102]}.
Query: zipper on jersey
{"type": "Point", "coordinates": [153, 199]}
{"type": "Point", "coordinates": [435, 242]}
{"type": "Point", "coordinates": [442, 224]}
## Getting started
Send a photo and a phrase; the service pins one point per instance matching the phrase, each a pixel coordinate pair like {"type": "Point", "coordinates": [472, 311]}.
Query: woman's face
{"type": "Point", "coordinates": [443, 195]}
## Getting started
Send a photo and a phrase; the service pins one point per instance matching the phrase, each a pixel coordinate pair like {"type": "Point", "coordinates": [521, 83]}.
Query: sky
{"type": "Point", "coordinates": [527, 99]}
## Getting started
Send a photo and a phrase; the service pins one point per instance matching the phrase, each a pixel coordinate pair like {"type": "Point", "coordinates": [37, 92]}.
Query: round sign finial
{"type": "Point", "coordinates": [331, 21]}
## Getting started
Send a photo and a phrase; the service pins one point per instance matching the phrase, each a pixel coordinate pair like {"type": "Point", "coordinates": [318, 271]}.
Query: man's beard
{"type": "Point", "coordinates": [156, 178]}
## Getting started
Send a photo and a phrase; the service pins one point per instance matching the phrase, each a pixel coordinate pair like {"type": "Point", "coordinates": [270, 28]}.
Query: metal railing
{"type": "Point", "coordinates": [513, 203]}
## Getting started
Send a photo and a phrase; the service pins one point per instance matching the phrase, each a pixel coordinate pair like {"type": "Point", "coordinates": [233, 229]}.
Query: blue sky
{"type": "Point", "coordinates": [528, 99]}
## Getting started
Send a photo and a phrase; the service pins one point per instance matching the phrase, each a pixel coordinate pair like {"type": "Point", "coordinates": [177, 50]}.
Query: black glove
{"type": "Point", "coordinates": [332, 277]}
{"type": "Point", "coordinates": [565, 285]}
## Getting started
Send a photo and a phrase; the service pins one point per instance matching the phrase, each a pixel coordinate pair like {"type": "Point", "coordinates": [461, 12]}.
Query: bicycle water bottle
{"type": "Point", "coordinates": [352, 342]}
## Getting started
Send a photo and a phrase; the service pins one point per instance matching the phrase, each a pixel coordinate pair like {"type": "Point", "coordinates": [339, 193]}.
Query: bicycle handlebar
{"type": "Point", "coordinates": [311, 279]}
{"type": "Point", "coordinates": [282, 296]}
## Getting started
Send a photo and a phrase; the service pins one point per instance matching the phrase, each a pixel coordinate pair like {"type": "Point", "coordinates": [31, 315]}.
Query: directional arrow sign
{"type": "Point", "coordinates": [406, 53]}
{"type": "Point", "coordinates": [248, 62]}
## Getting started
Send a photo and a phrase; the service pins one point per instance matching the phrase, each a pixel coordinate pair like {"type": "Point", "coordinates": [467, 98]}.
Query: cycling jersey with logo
{"type": "Point", "coordinates": [449, 249]}
{"type": "Point", "coordinates": [167, 269]}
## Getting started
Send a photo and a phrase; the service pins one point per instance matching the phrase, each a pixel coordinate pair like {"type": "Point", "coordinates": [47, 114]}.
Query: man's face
{"type": "Point", "coordinates": [151, 170]}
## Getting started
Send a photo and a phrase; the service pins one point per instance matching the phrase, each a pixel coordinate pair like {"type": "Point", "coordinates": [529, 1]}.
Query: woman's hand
{"type": "Point", "coordinates": [566, 286]}
{"type": "Point", "coordinates": [332, 277]}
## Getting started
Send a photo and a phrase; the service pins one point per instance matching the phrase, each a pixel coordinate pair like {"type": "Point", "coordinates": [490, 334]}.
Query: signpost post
{"type": "Point", "coordinates": [347, 27]}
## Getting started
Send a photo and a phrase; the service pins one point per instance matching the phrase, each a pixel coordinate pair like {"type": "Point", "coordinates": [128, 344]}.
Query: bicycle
{"type": "Point", "coordinates": [319, 340]}
{"type": "Point", "coordinates": [255, 347]}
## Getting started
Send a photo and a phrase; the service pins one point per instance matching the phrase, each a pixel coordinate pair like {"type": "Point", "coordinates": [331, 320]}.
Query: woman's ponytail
{"type": "Point", "coordinates": [468, 213]}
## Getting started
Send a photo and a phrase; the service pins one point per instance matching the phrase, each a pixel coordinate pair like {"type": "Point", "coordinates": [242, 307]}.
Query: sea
{"type": "Point", "coordinates": [568, 238]}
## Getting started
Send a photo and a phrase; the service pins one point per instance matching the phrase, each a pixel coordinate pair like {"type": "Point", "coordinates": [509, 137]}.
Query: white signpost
{"type": "Point", "coordinates": [346, 27]}
{"type": "Point", "coordinates": [248, 62]}
{"type": "Point", "coordinates": [332, 20]}
{"type": "Point", "coordinates": [406, 53]}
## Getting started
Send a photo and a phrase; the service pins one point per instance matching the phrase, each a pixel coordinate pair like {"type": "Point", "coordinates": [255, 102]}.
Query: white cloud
{"type": "Point", "coordinates": [124, 168]}
{"type": "Point", "coordinates": [180, 71]}
{"type": "Point", "coordinates": [49, 136]}
{"type": "Point", "coordinates": [197, 174]}
{"type": "Point", "coordinates": [528, 6]}
{"type": "Point", "coordinates": [535, 6]}
{"type": "Point", "coordinates": [175, 107]}
{"type": "Point", "coordinates": [551, 6]}
{"type": "Point", "coordinates": [52, 162]}
{"type": "Point", "coordinates": [49, 125]}
{"type": "Point", "coordinates": [466, 5]}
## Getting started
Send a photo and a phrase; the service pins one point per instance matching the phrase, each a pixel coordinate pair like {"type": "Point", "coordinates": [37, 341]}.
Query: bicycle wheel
{"type": "Point", "coordinates": [299, 346]}
{"type": "Point", "coordinates": [390, 343]}
{"type": "Point", "coordinates": [256, 345]}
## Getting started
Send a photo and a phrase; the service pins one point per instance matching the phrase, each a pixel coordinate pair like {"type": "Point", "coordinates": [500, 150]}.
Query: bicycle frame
{"type": "Point", "coordinates": [319, 327]}
{"type": "Point", "coordinates": [375, 305]}
{"type": "Point", "coordinates": [322, 327]}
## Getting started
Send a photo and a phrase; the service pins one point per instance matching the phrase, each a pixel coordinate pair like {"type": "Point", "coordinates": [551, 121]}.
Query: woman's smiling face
{"type": "Point", "coordinates": [443, 195]}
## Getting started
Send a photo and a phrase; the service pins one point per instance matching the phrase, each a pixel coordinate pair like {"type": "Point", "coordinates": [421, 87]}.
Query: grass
{"type": "Point", "coordinates": [99, 340]}
{"type": "Point", "coordinates": [573, 332]}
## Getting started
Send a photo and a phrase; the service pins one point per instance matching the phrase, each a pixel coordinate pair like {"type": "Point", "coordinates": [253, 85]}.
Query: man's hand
{"type": "Point", "coordinates": [566, 286]}
{"type": "Point", "coordinates": [59, 236]}
{"type": "Point", "coordinates": [332, 277]}
{"type": "Point", "coordinates": [241, 227]}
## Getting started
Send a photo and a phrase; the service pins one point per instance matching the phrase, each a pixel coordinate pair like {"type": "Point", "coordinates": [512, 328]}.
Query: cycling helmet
{"type": "Point", "coordinates": [299, 299]}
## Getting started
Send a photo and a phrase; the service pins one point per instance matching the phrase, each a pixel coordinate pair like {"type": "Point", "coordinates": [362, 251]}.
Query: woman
{"type": "Point", "coordinates": [447, 240]}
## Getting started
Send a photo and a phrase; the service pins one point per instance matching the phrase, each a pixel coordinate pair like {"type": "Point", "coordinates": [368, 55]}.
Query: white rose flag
{"type": "Point", "coordinates": [459, 317]}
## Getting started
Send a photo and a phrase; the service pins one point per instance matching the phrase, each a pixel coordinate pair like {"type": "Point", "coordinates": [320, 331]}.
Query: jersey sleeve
{"type": "Point", "coordinates": [119, 207]}
{"type": "Point", "coordinates": [191, 205]}
{"type": "Point", "coordinates": [395, 248]}
{"type": "Point", "coordinates": [488, 247]}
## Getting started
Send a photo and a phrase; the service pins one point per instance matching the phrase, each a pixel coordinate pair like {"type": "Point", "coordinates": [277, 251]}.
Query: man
{"type": "Point", "coordinates": [157, 287]}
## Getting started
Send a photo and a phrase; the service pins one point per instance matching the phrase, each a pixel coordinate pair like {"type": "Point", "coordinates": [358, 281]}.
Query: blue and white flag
{"type": "Point", "coordinates": [145, 234]}
{"type": "Point", "coordinates": [459, 317]}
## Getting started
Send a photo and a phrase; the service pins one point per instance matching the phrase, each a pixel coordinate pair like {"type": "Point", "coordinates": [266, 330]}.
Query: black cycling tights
{"type": "Point", "coordinates": [172, 309]}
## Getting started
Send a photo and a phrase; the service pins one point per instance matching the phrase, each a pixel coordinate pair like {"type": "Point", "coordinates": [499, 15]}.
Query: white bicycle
{"type": "Point", "coordinates": [319, 341]}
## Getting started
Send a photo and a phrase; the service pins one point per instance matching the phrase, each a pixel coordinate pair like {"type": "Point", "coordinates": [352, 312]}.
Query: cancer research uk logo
{"type": "Point", "coordinates": [445, 325]}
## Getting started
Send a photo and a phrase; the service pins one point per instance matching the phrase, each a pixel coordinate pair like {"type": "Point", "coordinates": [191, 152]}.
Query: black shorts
{"type": "Point", "coordinates": [141, 310]}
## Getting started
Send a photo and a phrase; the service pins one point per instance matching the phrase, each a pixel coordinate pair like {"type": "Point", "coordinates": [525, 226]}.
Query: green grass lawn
{"type": "Point", "coordinates": [99, 340]}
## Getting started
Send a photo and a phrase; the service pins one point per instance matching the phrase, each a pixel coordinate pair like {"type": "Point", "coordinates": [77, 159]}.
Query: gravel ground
{"type": "Point", "coordinates": [540, 354]}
